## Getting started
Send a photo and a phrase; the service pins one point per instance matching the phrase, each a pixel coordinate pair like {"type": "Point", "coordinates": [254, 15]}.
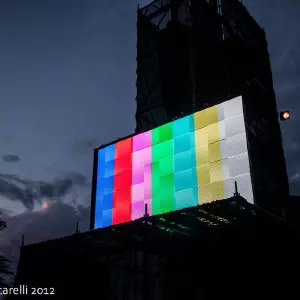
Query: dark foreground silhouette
{"type": "Point", "coordinates": [226, 249]}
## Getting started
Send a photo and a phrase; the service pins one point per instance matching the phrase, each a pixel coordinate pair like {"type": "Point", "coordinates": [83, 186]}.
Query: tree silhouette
{"type": "Point", "coordinates": [5, 270]}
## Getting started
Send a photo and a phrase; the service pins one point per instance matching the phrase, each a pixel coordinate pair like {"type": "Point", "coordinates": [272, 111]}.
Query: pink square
{"type": "Point", "coordinates": [137, 193]}
{"type": "Point", "coordinates": [147, 156]}
{"type": "Point", "coordinates": [138, 159]}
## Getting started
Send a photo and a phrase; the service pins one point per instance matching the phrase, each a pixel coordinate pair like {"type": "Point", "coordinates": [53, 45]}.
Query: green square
{"type": "Point", "coordinates": [166, 166]}
{"type": "Point", "coordinates": [166, 193]}
{"type": "Point", "coordinates": [155, 179]}
{"type": "Point", "coordinates": [162, 133]}
{"type": "Point", "coordinates": [155, 136]}
{"type": "Point", "coordinates": [165, 132]}
{"type": "Point", "coordinates": [162, 150]}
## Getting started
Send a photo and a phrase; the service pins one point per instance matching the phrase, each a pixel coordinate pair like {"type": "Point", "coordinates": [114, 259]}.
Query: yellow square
{"type": "Point", "coordinates": [213, 133]}
{"type": "Point", "coordinates": [200, 119]}
{"type": "Point", "coordinates": [202, 155]}
{"type": "Point", "coordinates": [216, 173]}
{"type": "Point", "coordinates": [217, 190]}
{"type": "Point", "coordinates": [206, 117]}
{"type": "Point", "coordinates": [203, 174]}
{"type": "Point", "coordinates": [204, 194]}
{"type": "Point", "coordinates": [211, 115]}
{"type": "Point", "coordinates": [214, 152]}
{"type": "Point", "coordinates": [201, 137]}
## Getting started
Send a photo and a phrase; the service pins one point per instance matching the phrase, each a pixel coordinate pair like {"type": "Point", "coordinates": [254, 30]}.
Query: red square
{"type": "Point", "coordinates": [123, 163]}
{"type": "Point", "coordinates": [122, 197]}
{"type": "Point", "coordinates": [121, 215]}
{"type": "Point", "coordinates": [122, 206]}
{"type": "Point", "coordinates": [123, 147]}
{"type": "Point", "coordinates": [123, 180]}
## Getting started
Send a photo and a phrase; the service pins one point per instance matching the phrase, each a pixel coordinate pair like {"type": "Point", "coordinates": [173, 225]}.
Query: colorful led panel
{"type": "Point", "coordinates": [190, 161]}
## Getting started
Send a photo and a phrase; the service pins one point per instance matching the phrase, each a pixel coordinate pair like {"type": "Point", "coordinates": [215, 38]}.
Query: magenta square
{"type": "Point", "coordinates": [137, 176]}
{"type": "Point", "coordinates": [137, 167]}
{"type": "Point", "coordinates": [142, 141]}
{"type": "Point", "coordinates": [149, 206]}
{"type": "Point", "coordinates": [148, 182]}
{"type": "Point", "coordinates": [137, 210]}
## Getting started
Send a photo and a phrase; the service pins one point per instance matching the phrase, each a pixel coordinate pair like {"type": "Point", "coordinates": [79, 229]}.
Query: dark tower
{"type": "Point", "coordinates": [193, 54]}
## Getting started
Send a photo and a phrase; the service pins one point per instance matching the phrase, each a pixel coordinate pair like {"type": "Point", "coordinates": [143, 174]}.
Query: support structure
{"type": "Point", "coordinates": [169, 256]}
{"type": "Point", "coordinates": [194, 54]}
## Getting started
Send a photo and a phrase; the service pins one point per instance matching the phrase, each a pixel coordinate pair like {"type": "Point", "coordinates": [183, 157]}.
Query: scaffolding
{"type": "Point", "coordinates": [192, 253]}
{"type": "Point", "coordinates": [194, 54]}
{"type": "Point", "coordinates": [171, 77]}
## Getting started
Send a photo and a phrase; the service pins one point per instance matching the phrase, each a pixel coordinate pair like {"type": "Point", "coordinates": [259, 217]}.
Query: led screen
{"type": "Point", "coordinates": [190, 161]}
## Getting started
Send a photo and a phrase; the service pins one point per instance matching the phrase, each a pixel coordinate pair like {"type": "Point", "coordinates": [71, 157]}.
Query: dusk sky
{"type": "Point", "coordinates": [67, 85]}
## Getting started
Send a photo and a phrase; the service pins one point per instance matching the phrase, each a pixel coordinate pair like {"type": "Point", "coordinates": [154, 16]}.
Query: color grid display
{"type": "Point", "coordinates": [190, 161]}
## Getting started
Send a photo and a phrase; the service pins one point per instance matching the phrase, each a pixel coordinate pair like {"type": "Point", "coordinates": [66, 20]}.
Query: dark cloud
{"type": "Point", "coordinates": [11, 190]}
{"type": "Point", "coordinates": [14, 188]}
{"type": "Point", "coordinates": [60, 186]}
{"type": "Point", "coordinates": [57, 221]}
{"type": "Point", "coordinates": [16, 178]}
{"type": "Point", "coordinates": [10, 158]}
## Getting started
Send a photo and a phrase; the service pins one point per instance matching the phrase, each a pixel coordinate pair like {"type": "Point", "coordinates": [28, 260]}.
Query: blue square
{"type": "Point", "coordinates": [110, 153]}
{"type": "Point", "coordinates": [105, 186]}
{"type": "Point", "coordinates": [184, 161]}
{"type": "Point", "coordinates": [101, 163]}
{"type": "Point", "coordinates": [105, 201]}
{"type": "Point", "coordinates": [184, 142]}
{"type": "Point", "coordinates": [185, 179]}
{"type": "Point", "coordinates": [109, 168]}
{"type": "Point", "coordinates": [183, 125]}
{"type": "Point", "coordinates": [186, 198]}
{"type": "Point", "coordinates": [107, 217]}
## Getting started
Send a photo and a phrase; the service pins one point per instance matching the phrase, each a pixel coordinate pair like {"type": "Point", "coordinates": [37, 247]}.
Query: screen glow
{"type": "Point", "coordinates": [190, 161]}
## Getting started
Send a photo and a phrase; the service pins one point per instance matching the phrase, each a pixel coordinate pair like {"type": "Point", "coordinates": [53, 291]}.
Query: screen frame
{"type": "Point", "coordinates": [96, 151]}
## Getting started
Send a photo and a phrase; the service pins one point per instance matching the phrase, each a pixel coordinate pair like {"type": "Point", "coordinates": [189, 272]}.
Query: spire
{"type": "Point", "coordinates": [236, 193]}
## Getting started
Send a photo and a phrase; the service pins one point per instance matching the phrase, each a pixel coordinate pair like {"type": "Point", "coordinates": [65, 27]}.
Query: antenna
{"type": "Point", "coordinates": [77, 227]}
{"type": "Point", "coordinates": [236, 193]}
{"type": "Point", "coordinates": [146, 210]}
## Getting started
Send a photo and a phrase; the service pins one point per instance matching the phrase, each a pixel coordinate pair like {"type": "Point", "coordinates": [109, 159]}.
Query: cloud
{"type": "Point", "coordinates": [295, 176]}
{"type": "Point", "coordinates": [11, 190]}
{"type": "Point", "coordinates": [15, 188]}
{"type": "Point", "coordinates": [57, 221]}
{"type": "Point", "coordinates": [60, 186]}
{"type": "Point", "coordinates": [10, 158]}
